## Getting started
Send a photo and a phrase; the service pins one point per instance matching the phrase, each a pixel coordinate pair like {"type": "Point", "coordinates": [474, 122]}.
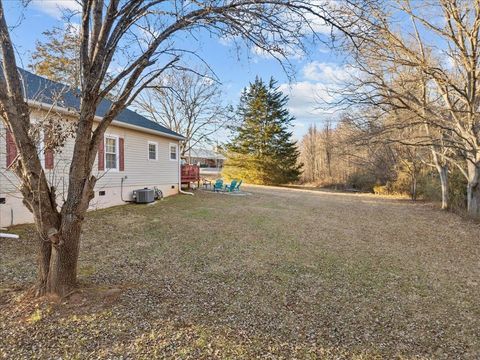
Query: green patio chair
{"type": "Point", "coordinates": [218, 185]}
{"type": "Point", "coordinates": [237, 188]}
{"type": "Point", "coordinates": [231, 187]}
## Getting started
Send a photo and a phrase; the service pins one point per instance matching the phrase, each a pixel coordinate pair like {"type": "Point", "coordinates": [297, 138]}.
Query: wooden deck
{"type": "Point", "coordinates": [189, 174]}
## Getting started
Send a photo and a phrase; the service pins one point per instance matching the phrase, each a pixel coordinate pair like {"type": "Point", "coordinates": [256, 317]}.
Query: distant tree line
{"type": "Point", "coordinates": [345, 157]}
{"type": "Point", "coordinates": [413, 101]}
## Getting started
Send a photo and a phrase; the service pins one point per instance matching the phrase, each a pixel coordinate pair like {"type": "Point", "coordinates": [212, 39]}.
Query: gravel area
{"type": "Point", "coordinates": [278, 274]}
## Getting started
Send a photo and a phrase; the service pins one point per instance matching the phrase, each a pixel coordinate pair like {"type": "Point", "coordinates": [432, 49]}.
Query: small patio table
{"type": "Point", "coordinates": [207, 184]}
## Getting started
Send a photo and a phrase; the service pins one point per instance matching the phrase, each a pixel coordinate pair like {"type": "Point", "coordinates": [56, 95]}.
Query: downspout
{"type": "Point", "coordinates": [180, 176]}
{"type": "Point", "coordinates": [121, 190]}
{"type": "Point", "coordinates": [9, 236]}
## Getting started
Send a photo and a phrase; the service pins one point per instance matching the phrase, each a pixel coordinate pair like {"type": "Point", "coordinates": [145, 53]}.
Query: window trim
{"type": "Point", "coordinates": [117, 152]}
{"type": "Point", "coordinates": [156, 150]}
{"type": "Point", "coordinates": [41, 148]}
{"type": "Point", "coordinates": [170, 151]}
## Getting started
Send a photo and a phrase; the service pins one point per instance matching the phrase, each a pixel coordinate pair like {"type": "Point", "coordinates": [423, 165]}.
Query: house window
{"type": "Point", "coordinates": [173, 152]}
{"type": "Point", "coordinates": [152, 150]}
{"type": "Point", "coordinates": [111, 153]}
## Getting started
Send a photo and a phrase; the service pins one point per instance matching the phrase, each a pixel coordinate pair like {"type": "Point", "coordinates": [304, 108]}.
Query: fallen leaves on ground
{"type": "Point", "coordinates": [279, 274]}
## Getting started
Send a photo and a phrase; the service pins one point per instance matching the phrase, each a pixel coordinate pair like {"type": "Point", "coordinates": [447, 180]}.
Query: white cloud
{"type": "Point", "coordinates": [314, 23]}
{"type": "Point", "coordinates": [309, 99]}
{"type": "Point", "coordinates": [328, 73]}
{"type": "Point", "coordinates": [317, 25]}
{"type": "Point", "coordinates": [319, 85]}
{"type": "Point", "coordinates": [304, 99]}
{"type": "Point", "coordinates": [56, 8]}
{"type": "Point", "coordinates": [289, 52]}
{"type": "Point", "coordinates": [227, 40]}
{"type": "Point", "coordinates": [304, 102]}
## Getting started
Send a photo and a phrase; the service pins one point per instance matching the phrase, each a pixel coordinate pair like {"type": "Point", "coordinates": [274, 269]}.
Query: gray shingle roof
{"type": "Point", "coordinates": [40, 89]}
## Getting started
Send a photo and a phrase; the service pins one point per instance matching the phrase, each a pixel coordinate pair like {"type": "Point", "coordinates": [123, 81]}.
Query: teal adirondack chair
{"type": "Point", "coordinates": [218, 185]}
{"type": "Point", "coordinates": [237, 188]}
{"type": "Point", "coordinates": [231, 187]}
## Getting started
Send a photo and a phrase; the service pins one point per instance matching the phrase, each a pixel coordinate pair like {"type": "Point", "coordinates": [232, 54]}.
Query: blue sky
{"type": "Point", "coordinates": [315, 72]}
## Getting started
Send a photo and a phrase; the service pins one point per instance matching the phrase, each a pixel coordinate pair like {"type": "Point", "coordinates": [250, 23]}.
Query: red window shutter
{"type": "Point", "coordinates": [121, 156]}
{"type": "Point", "coordinates": [11, 148]}
{"type": "Point", "coordinates": [49, 160]}
{"type": "Point", "coordinates": [101, 155]}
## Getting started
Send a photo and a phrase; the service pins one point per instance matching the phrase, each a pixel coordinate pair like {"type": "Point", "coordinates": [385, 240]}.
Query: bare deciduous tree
{"type": "Point", "coordinates": [137, 38]}
{"type": "Point", "coordinates": [327, 154]}
{"type": "Point", "coordinates": [189, 103]}
{"type": "Point", "coordinates": [428, 67]}
{"type": "Point", "coordinates": [454, 25]}
{"type": "Point", "coordinates": [309, 154]}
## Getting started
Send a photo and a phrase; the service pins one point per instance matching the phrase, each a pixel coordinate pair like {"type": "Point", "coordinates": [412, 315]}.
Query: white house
{"type": "Point", "coordinates": [136, 153]}
{"type": "Point", "coordinates": [206, 158]}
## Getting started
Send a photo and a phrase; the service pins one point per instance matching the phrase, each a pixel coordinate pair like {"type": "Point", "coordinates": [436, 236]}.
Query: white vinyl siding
{"type": "Point", "coordinates": [140, 171]}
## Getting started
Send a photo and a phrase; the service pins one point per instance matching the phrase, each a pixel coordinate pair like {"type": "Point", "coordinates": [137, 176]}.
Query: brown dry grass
{"type": "Point", "coordinates": [282, 273]}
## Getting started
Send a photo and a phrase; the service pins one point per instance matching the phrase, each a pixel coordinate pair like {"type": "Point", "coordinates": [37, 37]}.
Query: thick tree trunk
{"type": "Point", "coordinates": [443, 173]}
{"type": "Point", "coordinates": [57, 258]}
{"type": "Point", "coordinates": [442, 168]}
{"type": "Point", "coordinates": [59, 242]}
{"type": "Point", "coordinates": [473, 199]}
{"type": "Point", "coordinates": [62, 274]}
{"type": "Point", "coordinates": [44, 253]}
{"type": "Point", "coordinates": [473, 189]}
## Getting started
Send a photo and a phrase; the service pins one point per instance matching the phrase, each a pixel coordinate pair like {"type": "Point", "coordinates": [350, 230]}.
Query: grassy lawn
{"type": "Point", "coordinates": [280, 273]}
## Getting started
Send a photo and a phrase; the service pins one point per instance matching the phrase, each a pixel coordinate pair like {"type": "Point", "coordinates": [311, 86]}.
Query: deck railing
{"type": "Point", "coordinates": [190, 173]}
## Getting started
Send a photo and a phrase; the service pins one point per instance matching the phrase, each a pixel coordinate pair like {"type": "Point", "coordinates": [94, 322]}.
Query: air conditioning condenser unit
{"type": "Point", "coordinates": [144, 196]}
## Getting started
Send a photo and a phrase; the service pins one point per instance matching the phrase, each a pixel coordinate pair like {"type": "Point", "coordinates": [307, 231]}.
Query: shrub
{"type": "Point", "coordinates": [429, 187]}
{"type": "Point", "coordinates": [362, 181]}
{"type": "Point", "coordinates": [458, 190]}
{"type": "Point", "coordinates": [381, 190]}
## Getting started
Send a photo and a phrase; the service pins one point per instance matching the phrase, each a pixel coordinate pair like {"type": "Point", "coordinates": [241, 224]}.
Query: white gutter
{"type": "Point", "coordinates": [97, 118]}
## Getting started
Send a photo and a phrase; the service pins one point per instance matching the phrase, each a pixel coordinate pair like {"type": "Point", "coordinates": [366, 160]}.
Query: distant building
{"type": "Point", "coordinates": [205, 158]}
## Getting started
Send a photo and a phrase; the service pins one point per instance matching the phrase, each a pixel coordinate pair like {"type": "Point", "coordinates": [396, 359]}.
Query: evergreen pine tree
{"type": "Point", "coordinates": [262, 150]}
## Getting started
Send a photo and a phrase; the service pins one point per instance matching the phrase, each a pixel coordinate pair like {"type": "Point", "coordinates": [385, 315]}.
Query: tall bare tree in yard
{"type": "Point", "coordinates": [439, 46]}
{"type": "Point", "coordinates": [457, 27]}
{"type": "Point", "coordinates": [309, 154]}
{"type": "Point", "coordinates": [401, 112]}
{"type": "Point", "coordinates": [328, 143]}
{"type": "Point", "coordinates": [187, 102]}
{"type": "Point", "coordinates": [142, 33]}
